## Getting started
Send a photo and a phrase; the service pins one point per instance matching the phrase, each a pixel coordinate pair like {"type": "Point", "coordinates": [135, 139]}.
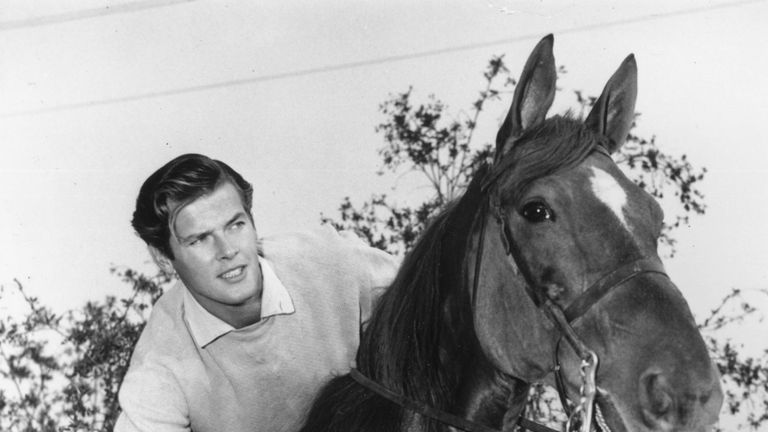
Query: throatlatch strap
{"type": "Point", "coordinates": [434, 413]}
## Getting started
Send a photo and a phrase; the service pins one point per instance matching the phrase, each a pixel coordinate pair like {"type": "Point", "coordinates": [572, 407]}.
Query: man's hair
{"type": "Point", "coordinates": [176, 184]}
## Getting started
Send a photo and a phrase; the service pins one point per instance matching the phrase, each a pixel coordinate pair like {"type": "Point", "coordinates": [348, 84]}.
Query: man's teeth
{"type": "Point", "coordinates": [232, 273]}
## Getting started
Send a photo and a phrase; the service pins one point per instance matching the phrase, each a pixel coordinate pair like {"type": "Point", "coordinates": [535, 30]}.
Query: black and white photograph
{"type": "Point", "coordinates": [340, 215]}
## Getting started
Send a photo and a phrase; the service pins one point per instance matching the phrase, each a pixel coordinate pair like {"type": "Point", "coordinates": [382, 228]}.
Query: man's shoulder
{"type": "Point", "coordinates": [165, 333]}
{"type": "Point", "coordinates": [323, 245]}
{"type": "Point", "coordinates": [152, 391]}
{"type": "Point", "coordinates": [169, 306]}
{"type": "Point", "coordinates": [328, 255]}
{"type": "Point", "coordinates": [323, 235]}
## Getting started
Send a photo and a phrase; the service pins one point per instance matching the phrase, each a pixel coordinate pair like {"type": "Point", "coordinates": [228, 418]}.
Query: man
{"type": "Point", "coordinates": [255, 326]}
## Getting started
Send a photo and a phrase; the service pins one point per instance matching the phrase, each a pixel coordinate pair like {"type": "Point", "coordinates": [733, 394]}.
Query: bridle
{"type": "Point", "coordinates": [581, 414]}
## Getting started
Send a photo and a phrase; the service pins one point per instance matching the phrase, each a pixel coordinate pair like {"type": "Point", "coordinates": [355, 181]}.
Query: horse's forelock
{"type": "Point", "coordinates": [559, 143]}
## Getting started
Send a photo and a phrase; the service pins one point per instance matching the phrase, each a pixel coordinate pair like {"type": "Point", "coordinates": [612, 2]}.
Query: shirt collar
{"type": "Point", "coordinates": [205, 328]}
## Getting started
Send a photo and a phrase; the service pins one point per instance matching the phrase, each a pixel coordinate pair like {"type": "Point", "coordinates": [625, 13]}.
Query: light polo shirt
{"type": "Point", "coordinates": [192, 371]}
{"type": "Point", "coordinates": [205, 327]}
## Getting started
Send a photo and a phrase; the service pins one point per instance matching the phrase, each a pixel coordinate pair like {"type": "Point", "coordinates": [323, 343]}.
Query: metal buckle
{"type": "Point", "coordinates": [580, 419]}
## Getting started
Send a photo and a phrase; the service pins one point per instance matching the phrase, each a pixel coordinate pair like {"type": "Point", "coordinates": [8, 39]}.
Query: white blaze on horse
{"type": "Point", "coordinates": [545, 270]}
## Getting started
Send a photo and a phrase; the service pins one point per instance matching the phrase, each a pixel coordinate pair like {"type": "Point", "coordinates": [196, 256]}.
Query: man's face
{"type": "Point", "coordinates": [215, 255]}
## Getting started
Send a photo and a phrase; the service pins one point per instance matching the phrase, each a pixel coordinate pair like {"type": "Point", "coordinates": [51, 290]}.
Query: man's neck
{"type": "Point", "coordinates": [240, 318]}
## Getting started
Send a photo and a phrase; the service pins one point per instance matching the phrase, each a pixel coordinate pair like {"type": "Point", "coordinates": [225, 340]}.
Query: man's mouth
{"type": "Point", "coordinates": [233, 274]}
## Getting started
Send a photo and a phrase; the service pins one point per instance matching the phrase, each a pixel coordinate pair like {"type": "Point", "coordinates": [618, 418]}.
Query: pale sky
{"type": "Point", "coordinates": [93, 99]}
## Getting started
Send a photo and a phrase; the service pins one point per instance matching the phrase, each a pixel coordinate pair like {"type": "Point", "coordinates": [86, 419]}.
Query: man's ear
{"type": "Point", "coordinates": [161, 260]}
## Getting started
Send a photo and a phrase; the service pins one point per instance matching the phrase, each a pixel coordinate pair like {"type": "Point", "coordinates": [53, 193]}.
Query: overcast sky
{"type": "Point", "coordinates": [96, 95]}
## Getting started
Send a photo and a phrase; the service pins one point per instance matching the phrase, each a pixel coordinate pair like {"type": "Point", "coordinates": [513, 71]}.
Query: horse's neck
{"type": "Point", "coordinates": [492, 398]}
{"type": "Point", "coordinates": [485, 396]}
{"type": "Point", "coordinates": [515, 405]}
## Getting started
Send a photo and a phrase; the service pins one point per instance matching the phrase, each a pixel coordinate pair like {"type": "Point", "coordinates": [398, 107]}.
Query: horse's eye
{"type": "Point", "coordinates": [537, 212]}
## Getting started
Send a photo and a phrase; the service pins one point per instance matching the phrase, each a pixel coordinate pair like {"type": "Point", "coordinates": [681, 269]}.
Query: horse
{"type": "Point", "coordinates": [545, 270]}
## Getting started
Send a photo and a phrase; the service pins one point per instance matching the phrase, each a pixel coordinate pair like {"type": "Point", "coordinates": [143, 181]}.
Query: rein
{"type": "Point", "coordinates": [434, 413]}
{"type": "Point", "coordinates": [580, 416]}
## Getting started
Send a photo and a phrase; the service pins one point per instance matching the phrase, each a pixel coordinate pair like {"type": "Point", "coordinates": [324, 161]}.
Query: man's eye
{"type": "Point", "coordinates": [537, 212]}
{"type": "Point", "coordinates": [197, 241]}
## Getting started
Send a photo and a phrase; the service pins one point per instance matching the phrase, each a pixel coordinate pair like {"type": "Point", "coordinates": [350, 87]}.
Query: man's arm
{"type": "Point", "coordinates": [380, 269]}
{"type": "Point", "coordinates": [151, 401]}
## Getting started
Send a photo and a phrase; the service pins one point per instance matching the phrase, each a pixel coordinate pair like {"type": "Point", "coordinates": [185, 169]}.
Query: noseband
{"type": "Point", "coordinates": [581, 415]}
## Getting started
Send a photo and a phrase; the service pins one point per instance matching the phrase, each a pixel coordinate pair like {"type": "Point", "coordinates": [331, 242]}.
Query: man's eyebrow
{"type": "Point", "coordinates": [194, 236]}
{"type": "Point", "coordinates": [238, 215]}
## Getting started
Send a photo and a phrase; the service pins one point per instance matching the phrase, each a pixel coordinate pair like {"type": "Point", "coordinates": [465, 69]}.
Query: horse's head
{"type": "Point", "coordinates": [567, 233]}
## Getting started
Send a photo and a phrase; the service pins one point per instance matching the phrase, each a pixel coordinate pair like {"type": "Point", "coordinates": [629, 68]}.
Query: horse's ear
{"type": "Point", "coordinates": [534, 94]}
{"type": "Point", "coordinates": [614, 111]}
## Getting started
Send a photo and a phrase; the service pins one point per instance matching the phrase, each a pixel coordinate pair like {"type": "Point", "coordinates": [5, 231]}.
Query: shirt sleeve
{"type": "Point", "coordinates": [151, 401]}
{"type": "Point", "coordinates": [379, 268]}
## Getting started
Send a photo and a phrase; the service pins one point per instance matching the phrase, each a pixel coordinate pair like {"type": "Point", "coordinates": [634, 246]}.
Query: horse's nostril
{"type": "Point", "coordinates": [656, 398]}
{"type": "Point", "coordinates": [669, 402]}
{"type": "Point", "coordinates": [661, 403]}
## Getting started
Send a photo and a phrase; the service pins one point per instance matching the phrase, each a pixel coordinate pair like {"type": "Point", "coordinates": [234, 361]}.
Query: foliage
{"type": "Point", "coordinates": [28, 369]}
{"type": "Point", "coordinates": [745, 378]}
{"type": "Point", "coordinates": [426, 139]}
{"type": "Point", "coordinates": [62, 372]}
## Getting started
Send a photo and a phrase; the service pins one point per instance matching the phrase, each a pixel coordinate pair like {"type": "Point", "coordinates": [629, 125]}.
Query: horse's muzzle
{"type": "Point", "coordinates": [671, 403]}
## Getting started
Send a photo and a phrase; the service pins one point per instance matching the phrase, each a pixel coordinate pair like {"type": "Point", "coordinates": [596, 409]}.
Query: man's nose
{"type": "Point", "coordinates": [225, 249]}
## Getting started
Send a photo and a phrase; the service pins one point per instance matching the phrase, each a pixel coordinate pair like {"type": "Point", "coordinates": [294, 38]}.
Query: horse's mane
{"type": "Point", "coordinates": [421, 337]}
{"type": "Point", "coordinates": [425, 314]}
